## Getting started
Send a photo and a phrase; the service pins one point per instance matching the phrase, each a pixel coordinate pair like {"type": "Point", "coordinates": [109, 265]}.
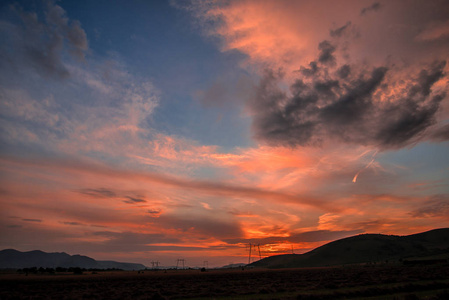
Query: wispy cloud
{"type": "Point", "coordinates": [436, 206]}
{"type": "Point", "coordinates": [72, 223]}
{"type": "Point", "coordinates": [77, 106]}
{"type": "Point", "coordinates": [32, 220]}
{"type": "Point", "coordinates": [132, 200]}
{"type": "Point", "coordinates": [208, 187]}
{"type": "Point", "coordinates": [372, 8]}
{"type": "Point", "coordinates": [40, 44]}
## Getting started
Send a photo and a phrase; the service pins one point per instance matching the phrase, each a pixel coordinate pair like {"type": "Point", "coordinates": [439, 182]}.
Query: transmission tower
{"type": "Point", "coordinates": [251, 246]}
{"type": "Point", "coordinates": [155, 265]}
{"type": "Point", "coordinates": [206, 264]}
{"type": "Point", "coordinates": [180, 261]}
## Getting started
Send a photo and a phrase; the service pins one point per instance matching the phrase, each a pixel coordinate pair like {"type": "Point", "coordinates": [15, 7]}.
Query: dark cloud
{"type": "Point", "coordinates": [340, 31]}
{"type": "Point", "coordinates": [326, 55]}
{"type": "Point", "coordinates": [40, 43]}
{"type": "Point", "coordinates": [427, 78]}
{"type": "Point", "coordinates": [154, 212]}
{"type": "Point", "coordinates": [353, 104]}
{"type": "Point", "coordinates": [441, 134]}
{"type": "Point", "coordinates": [312, 70]}
{"type": "Point", "coordinates": [305, 237]}
{"type": "Point", "coordinates": [99, 193]}
{"type": "Point", "coordinates": [108, 193]}
{"type": "Point", "coordinates": [13, 226]}
{"type": "Point", "coordinates": [344, 71]}
{"type": "Point", "coordinates": [72, 223]}
{"type": "Point", "coordinates": [373, 7]}
{"type": "Point", "coordinates": [350, 104]}
{"type": "Point", "coordinates": [133, 200]}
{"type": "Point", "coordinates": [98, 226]}
{"type": "Point", "coordinates": [436, 206]}
{"type": "Point", "coordinates": [32, 220]}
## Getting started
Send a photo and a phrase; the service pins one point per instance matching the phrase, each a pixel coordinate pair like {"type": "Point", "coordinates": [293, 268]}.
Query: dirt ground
{"type": "Point", "coordinates": [362, 282]}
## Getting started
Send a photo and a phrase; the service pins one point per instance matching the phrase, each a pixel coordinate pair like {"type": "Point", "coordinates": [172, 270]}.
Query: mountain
{"type": "Point", "coordinates": [366, 248]}
{"type": "Point", "coordinates": [13, 259]}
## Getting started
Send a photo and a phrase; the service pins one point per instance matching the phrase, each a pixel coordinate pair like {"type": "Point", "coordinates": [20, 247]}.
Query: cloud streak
{"type": "Point", "coordinates": [436, 206]}
{"type": "Point", "coordinates": [372, 8]}
{"type": "Point", "coordinates": [304, 237]}
{"type": "Point", "coordinates": [208, 187]}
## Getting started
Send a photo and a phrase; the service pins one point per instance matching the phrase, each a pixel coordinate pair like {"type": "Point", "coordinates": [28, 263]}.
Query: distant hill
{"type": "Point", "coordinates": [233, 266]}
{"type": "Point", "coordinates": [13, 259]}
{"type": "Point", "coordinates": [366, 248]}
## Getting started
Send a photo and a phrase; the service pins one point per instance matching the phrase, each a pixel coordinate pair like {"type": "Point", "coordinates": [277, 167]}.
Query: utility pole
{"type": "Point", "coordinates": [206, 264]}
{"type": "Point", "coordinates": [258, 247]}
{"type": "Point", "coordinates": [249, 258]}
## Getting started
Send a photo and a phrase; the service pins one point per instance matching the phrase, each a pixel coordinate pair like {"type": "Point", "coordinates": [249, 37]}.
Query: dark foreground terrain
{"type": "Point", "coordinates": [362, 282]}
{"type": "Point", "coordinates": [364, 248]}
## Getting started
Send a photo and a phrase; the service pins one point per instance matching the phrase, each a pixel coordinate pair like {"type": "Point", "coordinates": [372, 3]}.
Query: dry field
{"type": "Point", "coordinates": [373, 282]}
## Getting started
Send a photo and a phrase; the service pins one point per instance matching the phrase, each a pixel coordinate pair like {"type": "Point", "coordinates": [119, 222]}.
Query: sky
{"type": "Point", "coordinates": [145, 131]}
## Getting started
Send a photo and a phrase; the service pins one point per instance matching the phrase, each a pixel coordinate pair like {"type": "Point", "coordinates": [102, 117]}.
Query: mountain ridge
{"type": "Point", "coordinates": [14, 259]}
{"type": "Point", "coordinates": [365, 248]}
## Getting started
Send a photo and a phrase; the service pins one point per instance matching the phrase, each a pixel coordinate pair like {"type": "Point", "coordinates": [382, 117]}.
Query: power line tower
{"type": "Point", "coordinates": [255, 247]}
{"type": "Point", "coordinates": [155, 265]}
{"type": "Point", "coordinates": [180, 261]}
{"type": "Point", "coordinates": [206, 264]}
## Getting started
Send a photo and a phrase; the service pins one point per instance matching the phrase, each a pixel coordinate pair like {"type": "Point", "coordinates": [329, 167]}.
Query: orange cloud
{"type": "Point", "coordinates": [277, 33]}
{"type": "Point", "coordinates": [88, 202]}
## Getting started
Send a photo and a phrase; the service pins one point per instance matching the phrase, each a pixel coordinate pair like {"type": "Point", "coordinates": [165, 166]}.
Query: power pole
{"type": "Point", "coordinates": [258, 247]}
{"type": "Point", "coordinates": [249, 258]}
{"type": "Point", "coordinates": [206, 264]}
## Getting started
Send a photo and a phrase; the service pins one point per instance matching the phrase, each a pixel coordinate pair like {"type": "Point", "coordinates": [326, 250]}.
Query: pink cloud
{"type": "Point", "coordinates": [69, 196]}
{"type": "Point", "coordinates": [277, 33]}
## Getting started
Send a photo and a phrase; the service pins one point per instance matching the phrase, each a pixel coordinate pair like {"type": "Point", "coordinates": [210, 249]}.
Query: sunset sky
{"type": "Point", "coordinates": [155, 130]}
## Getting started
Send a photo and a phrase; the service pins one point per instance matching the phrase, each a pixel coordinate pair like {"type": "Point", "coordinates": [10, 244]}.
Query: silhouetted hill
{"type": "Point", "coordinates": [366, 248]}
{"type": "Point", "coordinates": [233, 266]}
{"type": "Point", "coordinates": [13, 259]}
